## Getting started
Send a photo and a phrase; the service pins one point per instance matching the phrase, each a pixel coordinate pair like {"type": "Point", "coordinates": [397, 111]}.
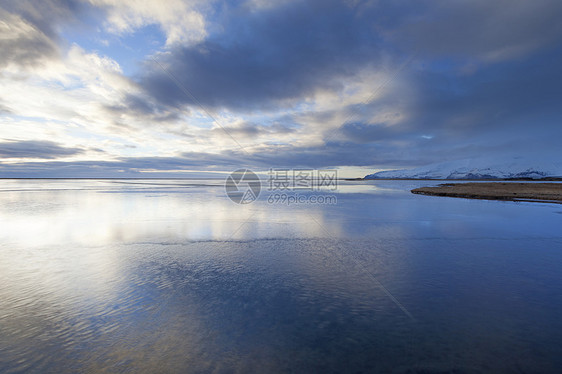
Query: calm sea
{"type": "Point", "coordinates": [172, 276]}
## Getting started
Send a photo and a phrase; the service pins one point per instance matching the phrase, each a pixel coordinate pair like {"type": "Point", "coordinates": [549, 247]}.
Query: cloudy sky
{"type": "Point", "coordinates": [141, 88]}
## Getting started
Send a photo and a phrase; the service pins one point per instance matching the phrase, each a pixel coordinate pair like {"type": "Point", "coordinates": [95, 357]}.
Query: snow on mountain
{"type": "Point", "coordinates": [479, 169]}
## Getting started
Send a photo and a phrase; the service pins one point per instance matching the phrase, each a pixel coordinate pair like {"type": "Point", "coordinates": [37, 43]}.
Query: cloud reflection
{"type": "Point", "coordinates": [60, 214]}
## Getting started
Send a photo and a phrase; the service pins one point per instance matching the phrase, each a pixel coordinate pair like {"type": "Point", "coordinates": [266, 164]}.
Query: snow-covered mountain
{"type": "Point", "coordinates": [478, 169]}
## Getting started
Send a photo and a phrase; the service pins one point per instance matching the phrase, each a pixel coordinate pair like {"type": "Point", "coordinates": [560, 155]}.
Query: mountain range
{"type": "Point", "coordinates": [482, 168]}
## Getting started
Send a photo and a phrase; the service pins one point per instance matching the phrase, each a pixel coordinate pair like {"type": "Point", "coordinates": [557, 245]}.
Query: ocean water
{"type": "Point", "coordinates": [172, 276]}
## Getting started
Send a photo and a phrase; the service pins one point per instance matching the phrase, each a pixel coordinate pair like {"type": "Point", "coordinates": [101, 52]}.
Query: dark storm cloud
{"type": "Point", "coordinates": [369, 133]}
{"type": "Point", "coordinates": [506, 107]}
{"type": "Point", "coordinates": [480, 29]}
{"type": "Point", "coordinates": [45, 14]}
{"type": "Point", "coordinates": [253, 130]}
{"type": "Point", "coordinates": [23, 44]}
{"type": "Point", "coordinates": [29, 29]}
{"type": "Point", "coordinates": [262, 58]}
{"type": "Point", "coordinates": [35, 149]}
{"type": "Point", "coordinates": [268, 56]}
{"type": "Point", "coordinates": [482, 70]}
{"type": "Point", "coordinates": [142, 107]}
{"type": "Point", "coordinates": [514, 98]}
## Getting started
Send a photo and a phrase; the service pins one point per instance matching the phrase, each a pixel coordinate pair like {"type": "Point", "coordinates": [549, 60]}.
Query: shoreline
{"type": "Point", "coordinates": [527, 192]}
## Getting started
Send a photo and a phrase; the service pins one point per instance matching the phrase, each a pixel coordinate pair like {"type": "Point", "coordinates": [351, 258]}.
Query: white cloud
{"type": "Point", "coordinates": [67, 101]}
{"type": "Point", "coordinates": [180, 20]}
{"type": "Point", "coordinates": [61, 99]}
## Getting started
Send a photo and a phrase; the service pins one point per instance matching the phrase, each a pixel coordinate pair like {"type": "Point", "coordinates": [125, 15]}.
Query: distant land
{"type": "Point", "coordinates": [475, 169]}
{"type": "Point", "coordinates": [533, 192]}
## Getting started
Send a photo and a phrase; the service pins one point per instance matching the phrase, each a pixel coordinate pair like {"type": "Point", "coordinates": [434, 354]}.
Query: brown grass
{"type": "Point", "coordinates": [540, 192]}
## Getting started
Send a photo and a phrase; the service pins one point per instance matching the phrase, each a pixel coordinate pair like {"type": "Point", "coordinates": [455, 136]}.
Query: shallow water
{"type": "Point", "coordinates": [171, 276]}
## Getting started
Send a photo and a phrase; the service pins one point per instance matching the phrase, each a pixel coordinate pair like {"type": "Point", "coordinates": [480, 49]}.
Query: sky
{"type": "Point", "coordinates": [140, 88]}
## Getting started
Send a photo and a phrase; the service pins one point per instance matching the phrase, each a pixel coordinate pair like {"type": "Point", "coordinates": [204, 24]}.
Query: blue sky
{"type": "Point", "coordinates": [107, 88]}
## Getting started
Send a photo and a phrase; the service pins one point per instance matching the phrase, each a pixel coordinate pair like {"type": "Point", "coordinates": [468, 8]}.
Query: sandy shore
{"type": "Point", "coordinates": [539, 192]}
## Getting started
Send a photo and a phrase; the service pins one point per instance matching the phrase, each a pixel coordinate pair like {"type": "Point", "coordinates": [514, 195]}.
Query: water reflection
{"type": "Point", "coordinates": [118, 213]}
{"type": "Point", "coordinates": [171, 276]}
{"type": "Point", "coordinates": [38, 213]}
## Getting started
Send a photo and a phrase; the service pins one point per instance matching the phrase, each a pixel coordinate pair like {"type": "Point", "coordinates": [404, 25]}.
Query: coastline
{"type": "Point", "coordinates": [530, 192]}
